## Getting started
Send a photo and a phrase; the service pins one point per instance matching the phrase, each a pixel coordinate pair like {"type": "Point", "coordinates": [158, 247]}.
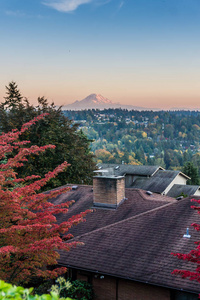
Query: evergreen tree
{"type": "Point", "coordinates": [139, 155]}
{"type": "Point", "coordinates": [167, 159]}
{"type": "Point", "coordinates": [71, 144]}
{"type": "Point", "coordinates": [14, 97]}
{"type": "Point", "coordinates": [13, 110]}
{"type": "Point", "coordinates": [125, 157]}
{"type": "Point", "coordinates": [190, 170]}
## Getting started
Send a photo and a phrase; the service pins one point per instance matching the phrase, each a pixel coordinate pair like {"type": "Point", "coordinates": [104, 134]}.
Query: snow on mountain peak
{"type": "Point", "coordinates": [96, 98]}
{"type": "Point", "coordinates": [96, 101]}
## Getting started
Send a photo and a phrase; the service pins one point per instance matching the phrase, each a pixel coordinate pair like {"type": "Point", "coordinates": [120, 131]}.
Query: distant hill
{"type": "Point", "coordinates": [97, 101]}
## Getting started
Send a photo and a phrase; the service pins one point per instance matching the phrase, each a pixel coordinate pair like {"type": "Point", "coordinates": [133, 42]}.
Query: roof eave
{"type": "Point", "coordinates": [129, 278]}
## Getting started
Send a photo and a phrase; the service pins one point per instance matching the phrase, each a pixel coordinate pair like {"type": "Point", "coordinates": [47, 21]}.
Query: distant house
{"type": "Point", "coordinates": [162, 181]}
{"type": "Point", "coordinates": [151, 178]}
{"type": "Point", "coordinates": [185, 190]}
{"type": "Point", "coordinates": [128, 241]}
{"type": "Point", "coordinates": [130, 172]}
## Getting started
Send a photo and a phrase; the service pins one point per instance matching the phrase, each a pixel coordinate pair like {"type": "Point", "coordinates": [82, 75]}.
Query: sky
{"type": "Point", "coordinates": [139, 52]}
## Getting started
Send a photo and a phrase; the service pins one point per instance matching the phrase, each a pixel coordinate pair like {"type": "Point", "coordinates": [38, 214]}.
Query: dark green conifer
{"type": "Point", "coordinates": [71, 144]}
{"type": "Point", "coordinates": [190, 170]}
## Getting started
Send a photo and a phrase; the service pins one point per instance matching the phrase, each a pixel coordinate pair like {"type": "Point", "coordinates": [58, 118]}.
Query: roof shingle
{"type": "Point", "coordinates": [135, 240]}
{"type": "Point", "coordinates": [187, 190]}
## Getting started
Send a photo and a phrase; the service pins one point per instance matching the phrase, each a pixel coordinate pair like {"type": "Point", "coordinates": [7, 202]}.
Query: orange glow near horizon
{"type": "Point", "coordinates": [141, 98]}
{"type": "Point", "coordinates": [141, 53]}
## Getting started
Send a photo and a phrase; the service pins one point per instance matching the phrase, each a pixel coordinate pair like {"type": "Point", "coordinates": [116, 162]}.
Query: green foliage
{"type": "Point", "coordinates": [72, 145]}
{"type": "Point", "coordinates": [190, 170]}
{"type": "Point", "coordinates": [12, 292]}
{"type": "Point", "coordinates": [166, 138]}
{"type": "Point", "coordinates": [14, 97]}
{"type": "Point", "coordinates": [77, 289]}
{"type": "Point", "coordinates": [62, 286]}
{"type": "Point", "coordinates": [183, 195]}
{"type": "Point", "coordinates": [81, 290]}
{"type": "Point", "coordinates": [41, 288]}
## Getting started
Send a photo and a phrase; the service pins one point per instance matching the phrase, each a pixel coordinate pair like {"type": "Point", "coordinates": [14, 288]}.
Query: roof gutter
{"type": "Point", "coordinates": [184, 175]}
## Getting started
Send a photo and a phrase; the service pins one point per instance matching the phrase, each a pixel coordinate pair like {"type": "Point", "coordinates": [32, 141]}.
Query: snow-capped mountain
{"type": "Point", "coordinates": [97, 101]}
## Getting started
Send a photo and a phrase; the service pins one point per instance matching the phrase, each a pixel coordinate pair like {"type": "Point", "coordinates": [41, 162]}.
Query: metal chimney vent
{"type": "Point", "coordinates": [187, 235]}
{"type": "Point", "coordinates": [74, 187]}
{"type": "Point", "coordinates": [179, 198]}
{"type": "Point", "coordinates": [149, 193]}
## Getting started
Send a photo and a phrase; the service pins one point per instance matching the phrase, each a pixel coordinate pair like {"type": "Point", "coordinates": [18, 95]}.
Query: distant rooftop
{"type": "Point", "coordinates": [179, 189]}
{"type": "Point", "coordinates": [122, 169]}
{"type": "Point", "coordinates": [159, 182]}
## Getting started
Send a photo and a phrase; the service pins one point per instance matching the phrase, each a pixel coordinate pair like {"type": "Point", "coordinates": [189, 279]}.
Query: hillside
{"type": "Point", "coordinates": [165, 138]}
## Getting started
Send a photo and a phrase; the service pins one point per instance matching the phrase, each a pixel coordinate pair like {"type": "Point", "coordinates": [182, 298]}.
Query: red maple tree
{"type": "Point", "coordinates": [29, 234]}
{"type": "Point", "coordinates": [193, 256]}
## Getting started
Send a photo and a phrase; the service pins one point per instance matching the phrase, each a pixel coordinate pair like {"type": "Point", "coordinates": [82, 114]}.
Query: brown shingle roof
{"type": "Point", "coordinates": [139, 248]}
{"type": "Point", "coordinates": [134, 241]}
{"type": "Point", "coordinates": [137, 202]}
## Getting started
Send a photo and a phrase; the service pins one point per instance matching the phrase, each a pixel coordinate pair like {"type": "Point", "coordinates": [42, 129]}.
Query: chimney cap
{"type": "Point", "coordinates": [109, 176]}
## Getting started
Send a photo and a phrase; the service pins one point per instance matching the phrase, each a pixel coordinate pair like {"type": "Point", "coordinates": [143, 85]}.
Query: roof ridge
{"type": "Point", "coordinates": [119, 222]}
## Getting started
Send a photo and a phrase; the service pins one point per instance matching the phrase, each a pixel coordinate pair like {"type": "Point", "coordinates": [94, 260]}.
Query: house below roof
{"type": "Point", "coordinates": [161, 182]}
{"type": "Point", "coordinates": [131, 172]}
{"type": "Point", "coordinates": [126, 251]}
{"type": "Point", "coordinates": [122, 169]}
{"type": "Point", "coordinates": [150, 178]}
{"type": "Point", "coordinates": [185, 190]}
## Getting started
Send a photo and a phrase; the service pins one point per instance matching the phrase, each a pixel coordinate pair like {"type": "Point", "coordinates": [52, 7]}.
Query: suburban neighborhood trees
{"type": "Point", "coordinates": [166, 138]}
{"type": "Point", "coordinates": [29, 234]}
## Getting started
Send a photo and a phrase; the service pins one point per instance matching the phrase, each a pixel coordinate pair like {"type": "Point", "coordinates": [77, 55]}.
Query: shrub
{"type": "Point", "coordinates": [12, 292]}
{"type": "Point", "coordinates": [77, 289]}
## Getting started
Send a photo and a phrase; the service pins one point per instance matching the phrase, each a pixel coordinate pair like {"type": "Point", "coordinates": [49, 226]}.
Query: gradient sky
{"type": "Point", "coordinates": [139, 52]}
